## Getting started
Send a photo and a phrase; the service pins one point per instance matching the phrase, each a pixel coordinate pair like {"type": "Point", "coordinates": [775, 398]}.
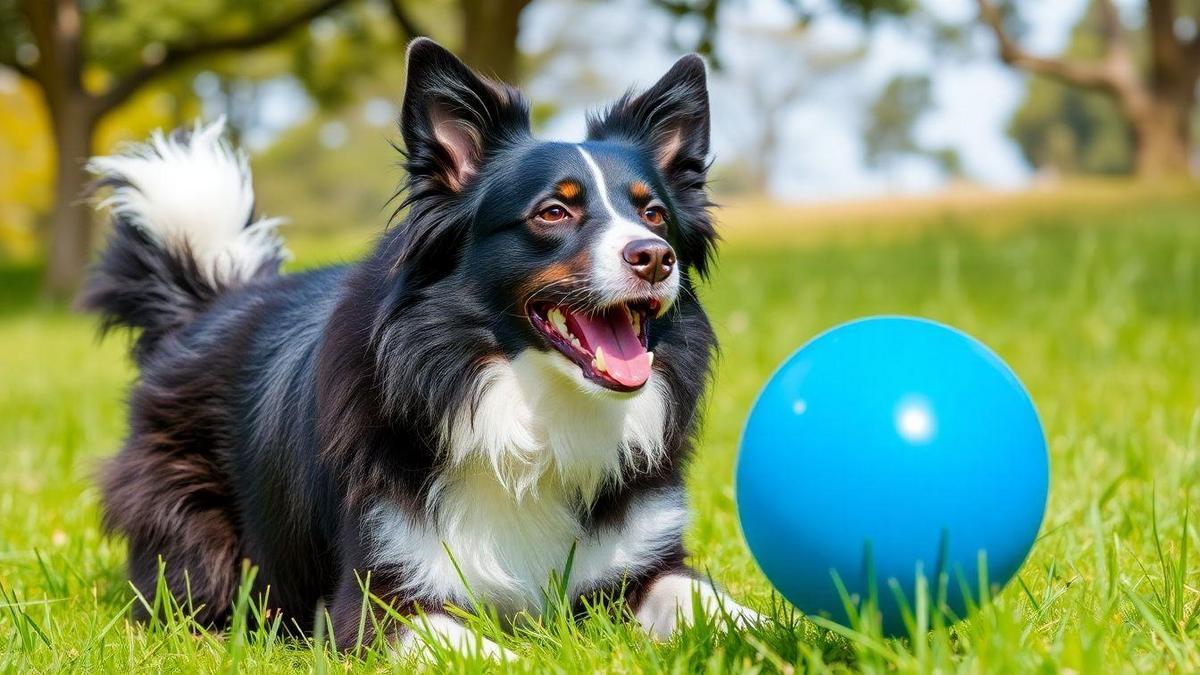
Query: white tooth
{"type": "Point", "coordinates": [650, 357]}
{"type": "Point", "coordinates": [575, 342]}
{"type": "Point", "coordinates": [637, 323]}
{"type": "Point", "coordinates": [599, 363]}
{"type": "Point", "coordinates": [558, 321]}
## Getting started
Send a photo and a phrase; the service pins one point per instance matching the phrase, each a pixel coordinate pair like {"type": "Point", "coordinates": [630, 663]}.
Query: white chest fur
{"type": "Point", "coordinates": [537, 447]}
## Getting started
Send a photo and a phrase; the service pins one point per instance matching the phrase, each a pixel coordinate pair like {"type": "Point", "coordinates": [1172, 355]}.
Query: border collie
{"type": "Point", "coordinates": [508, 381]}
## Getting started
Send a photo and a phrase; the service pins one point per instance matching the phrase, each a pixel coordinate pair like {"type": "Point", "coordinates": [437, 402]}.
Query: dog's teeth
{"type": "Point", "coordinates": [575, 342]}
{"type": "Point", "coordinates": [650, 357]}
{"type": "Point", "coordinates": [598, 363]}
{"type": "Point", "coordinates": [556, 319]}
{"type": "Point", "coordinates": [637, 322]}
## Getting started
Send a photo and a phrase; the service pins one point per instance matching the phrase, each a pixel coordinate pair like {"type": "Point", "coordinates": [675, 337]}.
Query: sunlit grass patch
{"type": "Point", "coordinates": [1094, 302]}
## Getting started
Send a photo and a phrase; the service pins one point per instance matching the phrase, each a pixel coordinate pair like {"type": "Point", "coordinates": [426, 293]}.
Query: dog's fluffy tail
{"type": "Point", "coordinates": [184, 230]}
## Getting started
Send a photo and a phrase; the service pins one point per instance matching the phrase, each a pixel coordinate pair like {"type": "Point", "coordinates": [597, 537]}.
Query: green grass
{"type": "Point", "coordinates": [1096, 306]}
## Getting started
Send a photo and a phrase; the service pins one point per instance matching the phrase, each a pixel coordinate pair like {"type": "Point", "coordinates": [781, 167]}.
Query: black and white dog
{"type": "Point", "coordinates": [509, 379]}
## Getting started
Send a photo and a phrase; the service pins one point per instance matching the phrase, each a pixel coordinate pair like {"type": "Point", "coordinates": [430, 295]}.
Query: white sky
{"type": "Point", "coordinates": [974, 96]}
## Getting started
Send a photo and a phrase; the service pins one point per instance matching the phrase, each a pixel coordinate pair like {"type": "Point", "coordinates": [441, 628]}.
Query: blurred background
{"type": "Point", "coordinates": [814, 100]}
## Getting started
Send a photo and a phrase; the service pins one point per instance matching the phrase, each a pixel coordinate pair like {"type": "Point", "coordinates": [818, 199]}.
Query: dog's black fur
{"type": "Point", "coordinates": [271, 410]}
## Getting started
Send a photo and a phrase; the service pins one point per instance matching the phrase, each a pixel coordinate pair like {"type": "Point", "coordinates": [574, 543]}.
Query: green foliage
{"type": "Point", "coordinates": [868, 9]}
{"type": "Point", "coordinates": [890, 132]}
{"type": "Point", "coordinates": [333, 193]}
{"type": "Point", "coordinates": [123, 34]}
{"type": "Point", "coordinates": [1095, 302]}
{"type": "Point", "coordinates": [12, 28]}
{"type": "Point", "coordinates": [891, 118]}
{"type": "Point", "coordinates": [1072, 130]}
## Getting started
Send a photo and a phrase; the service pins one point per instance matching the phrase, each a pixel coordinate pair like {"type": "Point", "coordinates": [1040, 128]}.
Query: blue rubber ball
{"type": "Point", "coordinates": [891, 448]}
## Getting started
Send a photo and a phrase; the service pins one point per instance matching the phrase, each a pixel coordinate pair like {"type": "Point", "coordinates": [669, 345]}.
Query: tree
{"type": "Point", "coordinates": [1155, 99]}
{"type": "Point", "coordinates": [489, 29]}
{"type": "Point", "coordinates": [66, 46]}
{"type": "Point", "coordinates": [892, 118]}
{"type": "Point", "coordinates": [891, 126]}
{"type": "Point", "coordinates": [53, 43]}
{"type": "Point", "coordinates": [1070, 130]}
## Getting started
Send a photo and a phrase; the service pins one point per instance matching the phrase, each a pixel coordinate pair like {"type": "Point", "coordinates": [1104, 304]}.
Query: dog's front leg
{"type": "Point", "coordinates": [446, 631]}
{"type": "Point", "coordinates": [425, 624]}
{"type": "Point", "coordinates": [667, 603]}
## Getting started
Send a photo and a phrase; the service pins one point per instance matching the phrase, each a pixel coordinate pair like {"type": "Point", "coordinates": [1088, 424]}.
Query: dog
{"type": "Point", "coordinates": [509, 381]}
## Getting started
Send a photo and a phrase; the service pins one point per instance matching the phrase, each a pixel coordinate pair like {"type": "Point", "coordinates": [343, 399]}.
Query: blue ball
{"type": "Point", "coordinates": [891, 448]}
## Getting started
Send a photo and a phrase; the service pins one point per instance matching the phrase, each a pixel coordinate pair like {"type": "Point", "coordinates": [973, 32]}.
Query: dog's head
{"type": "Point", "coordinates": [584, 249]}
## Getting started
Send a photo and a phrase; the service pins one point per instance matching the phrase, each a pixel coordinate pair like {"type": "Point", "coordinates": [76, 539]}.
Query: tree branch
{"type": "Point", "coordinates": [179, 55]}
{"type": "Point", "coordinates": [1069, 71]}
{"type": "Point", "coordinates": [403, 19]}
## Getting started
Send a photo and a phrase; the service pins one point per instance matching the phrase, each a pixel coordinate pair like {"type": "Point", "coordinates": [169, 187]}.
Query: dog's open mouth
{"type": "Point", "coordinates": [609, 346]}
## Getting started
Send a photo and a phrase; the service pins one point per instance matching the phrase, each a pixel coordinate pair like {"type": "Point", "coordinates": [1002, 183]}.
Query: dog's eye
{"type": "Point", "coordinates": [553, 214]}
{"type": "Point", "coordinates": [654, 215]}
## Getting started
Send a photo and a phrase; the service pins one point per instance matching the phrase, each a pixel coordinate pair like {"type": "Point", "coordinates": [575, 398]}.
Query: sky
{"type": "Point", "coordinates": [591, 52]}
{"type": "Point", "coordinates": [821, 149]}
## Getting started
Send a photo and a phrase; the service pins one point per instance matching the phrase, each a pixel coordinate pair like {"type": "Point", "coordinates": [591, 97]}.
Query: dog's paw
{"type": "Point", "coordinates": [669, 605]}
{"type": "Point", "coordinates": [448, 632]}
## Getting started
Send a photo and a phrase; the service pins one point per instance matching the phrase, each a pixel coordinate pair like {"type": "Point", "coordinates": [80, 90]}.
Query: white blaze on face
{"type": "Point", "coordinates": [614, 279]}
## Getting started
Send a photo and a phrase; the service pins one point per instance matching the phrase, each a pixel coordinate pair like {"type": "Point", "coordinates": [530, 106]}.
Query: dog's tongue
{"type": "Point", "coordinates": [625, 359]}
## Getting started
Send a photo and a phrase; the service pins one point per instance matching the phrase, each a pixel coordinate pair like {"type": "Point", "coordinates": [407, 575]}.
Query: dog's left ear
{"type": "Point", "coordinates": [452, 118]}
{"type": "Point", "coordinates": [453, 121]}
{"type": "Point", "coordinates": [671, 118]}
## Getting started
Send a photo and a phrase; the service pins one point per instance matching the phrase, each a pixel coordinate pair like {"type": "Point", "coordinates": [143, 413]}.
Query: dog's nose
{"type": "Point", "coordinates": [651, 259]}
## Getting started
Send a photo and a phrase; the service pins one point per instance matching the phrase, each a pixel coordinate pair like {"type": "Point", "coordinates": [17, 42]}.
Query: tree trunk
{"type": "Point", "coordinates": [1157, 105]}
{"type": "Point", "coordinates": [1161, 113]}
{"type": "Point", "coordinates": [69, 242]}
{"type": "Point", "coordinates": [490, 36]}
{"type": "Point", "coordinates": [1162, 135]}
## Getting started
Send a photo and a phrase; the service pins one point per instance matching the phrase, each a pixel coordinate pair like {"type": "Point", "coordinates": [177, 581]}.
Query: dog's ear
{"type": "Point", "coordinates": [671, 118]}
{"type": "Point", "coordinates": [452, 121]}
{"type": "Point", "coordinates": [670, 122]}
{"type": "Point", "coordinates": [452, 118]}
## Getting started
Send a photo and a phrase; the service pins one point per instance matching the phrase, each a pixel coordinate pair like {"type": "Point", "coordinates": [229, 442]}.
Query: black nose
{"type": "Point", "coordinates": [651, 259]}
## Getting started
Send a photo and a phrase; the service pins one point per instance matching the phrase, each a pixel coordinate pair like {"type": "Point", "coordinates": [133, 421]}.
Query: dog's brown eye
{"type": "Point", "coordinates": [654, 215]}
{"type": "Point", "coordinates": [553, 214]}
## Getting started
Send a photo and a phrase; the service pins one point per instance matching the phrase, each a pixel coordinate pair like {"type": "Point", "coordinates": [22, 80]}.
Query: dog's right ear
{"type": "Point", "coordinates": [452, 118]}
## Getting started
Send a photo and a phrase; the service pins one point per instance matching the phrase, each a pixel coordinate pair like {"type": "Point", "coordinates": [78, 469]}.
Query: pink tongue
{"type": "Point", "coordinates": [625, 359]}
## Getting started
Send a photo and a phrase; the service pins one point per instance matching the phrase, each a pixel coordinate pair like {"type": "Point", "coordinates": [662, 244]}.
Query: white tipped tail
{"type": "Point", "coordinates": [191, 194]}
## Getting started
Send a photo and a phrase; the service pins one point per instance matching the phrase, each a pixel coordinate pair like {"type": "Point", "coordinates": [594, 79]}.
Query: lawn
{"type": "Point", "coordinates": [1093, 298]}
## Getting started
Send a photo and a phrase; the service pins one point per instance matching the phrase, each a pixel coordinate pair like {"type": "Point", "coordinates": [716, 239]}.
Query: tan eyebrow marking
{"type": "Point", "coordinates": [639, 191]}
{"type": "Point", "coordinates": [569, 189]}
